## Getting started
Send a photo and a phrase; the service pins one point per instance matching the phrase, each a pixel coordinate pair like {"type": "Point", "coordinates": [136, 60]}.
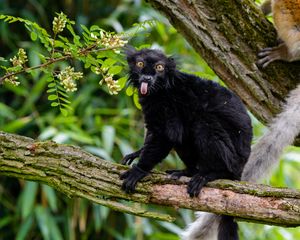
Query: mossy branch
{"type": "Point", "coordinates": [77, 173]}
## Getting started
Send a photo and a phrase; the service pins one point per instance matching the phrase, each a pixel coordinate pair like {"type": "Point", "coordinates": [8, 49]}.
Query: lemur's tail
{"type": "Point", "coordinates": [209, 226]}
{"type": "Point", "coordinates": [281, 133]}
{"type": "Point", "coordinates": [205, 227]}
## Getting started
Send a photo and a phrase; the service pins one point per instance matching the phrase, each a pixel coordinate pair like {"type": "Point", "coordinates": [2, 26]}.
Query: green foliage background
{"type": "Point", "coordinates": [105, 125]}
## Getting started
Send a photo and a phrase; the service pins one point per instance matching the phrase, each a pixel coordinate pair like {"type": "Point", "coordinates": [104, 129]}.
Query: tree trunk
{"type": "Point", "coordinates": [77, 173]}
{"type": "Point", "coordinates": [228, 35]}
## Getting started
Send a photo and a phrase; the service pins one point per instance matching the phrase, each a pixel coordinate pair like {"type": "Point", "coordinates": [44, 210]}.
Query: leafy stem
{"type": "Point", "coordinates": [83, 52]}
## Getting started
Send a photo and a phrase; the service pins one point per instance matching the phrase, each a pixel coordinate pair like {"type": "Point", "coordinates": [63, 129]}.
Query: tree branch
{"type": "Point", "coordinates": [228, 35]}
{"type": "Point", "coordinates": [77, 173]}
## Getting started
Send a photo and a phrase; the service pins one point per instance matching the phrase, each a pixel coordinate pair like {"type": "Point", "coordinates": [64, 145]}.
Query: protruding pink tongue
{"type": "Point", "coordinates": [144, 88]}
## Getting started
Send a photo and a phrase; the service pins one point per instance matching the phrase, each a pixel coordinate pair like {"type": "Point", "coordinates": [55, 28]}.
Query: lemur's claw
{"type": "Point", "coordinates": [128, 159]}
{"type": "Point", "coordinates": [131, 177]}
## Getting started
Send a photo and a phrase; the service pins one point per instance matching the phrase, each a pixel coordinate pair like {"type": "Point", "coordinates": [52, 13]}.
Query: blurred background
{"type": "Point", "coordinates": [107, 126]}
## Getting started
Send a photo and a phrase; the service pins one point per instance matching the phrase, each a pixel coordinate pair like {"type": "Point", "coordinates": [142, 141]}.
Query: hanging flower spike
{"type": "Point", "coordinates": [112, 41]}
{"type": "Point", "coordinates": [20, 59]}
{"type": "Point", "coordinates": [67, 78]}
{"type": "Point", "coordinates": [112, 85]}
{"type": "Point", "coordinates": [59, 23]}
{"type": "Point", "coordinates": [12, 80]}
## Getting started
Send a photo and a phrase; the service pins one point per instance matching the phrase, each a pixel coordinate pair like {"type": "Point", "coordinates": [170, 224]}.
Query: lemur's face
{"type": "Point", "coordinates": [150, 70]}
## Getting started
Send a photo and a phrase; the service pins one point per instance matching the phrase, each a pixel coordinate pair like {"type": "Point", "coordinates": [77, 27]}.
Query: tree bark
{"type": "Point", "coordinates": [77, 173]}
{"type": "Point", "coordinates": [228, 35]}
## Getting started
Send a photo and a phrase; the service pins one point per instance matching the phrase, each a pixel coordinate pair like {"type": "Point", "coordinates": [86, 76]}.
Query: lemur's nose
{"type": "Point", "coordinates": [148, 77]}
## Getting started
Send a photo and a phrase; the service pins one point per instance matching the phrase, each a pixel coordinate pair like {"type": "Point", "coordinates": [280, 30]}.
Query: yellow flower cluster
{"type": "Point", "coordinates": [67, 78]}
{"type": "Point", "coordinates": [12, 80]}
{"type": "Point", "coordinates": [17, 61]}
{"type": "Point", "coordinates": [112, 85]}
{"type": "Point", "coordinates": [20, 59]}
{"type": "Point", "coordinates": [112, 41]}
{"type": "Point", "coordinates": [59, 23]}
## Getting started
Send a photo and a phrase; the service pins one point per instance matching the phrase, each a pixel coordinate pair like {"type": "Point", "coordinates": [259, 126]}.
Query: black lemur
{"type": "Point", "coordinates": [205, 123]}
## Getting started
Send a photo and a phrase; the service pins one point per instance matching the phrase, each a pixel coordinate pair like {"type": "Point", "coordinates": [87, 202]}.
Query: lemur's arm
{"type": "Point", "coordinates": [155, 149]}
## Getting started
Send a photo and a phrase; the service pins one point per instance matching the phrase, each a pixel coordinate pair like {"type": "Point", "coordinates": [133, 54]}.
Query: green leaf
{"type": "Point", "coordinates": [171, 227]}
{"type": "Point", "coordinates": [115, 70]}
{"type": "Point", "coordinates": [64, 100]}
{"type": "Point", "coordinates": [50, 79]}
{"type": "Point", "coordinates": [64, 39]}
{"type": "Point", "coordinates": [108, 138]}
{"type": "Point", "coordinates": [91, 59]}
{"type": "Point", "coordinates": [58, 43]}
{"type": "Point", "coordinates": [51, 90]}
{"type": "Point", "coordinates": [24, 228]}
{"type": "Point", "coordinates": [54, 104]}
{"type": "Point", "coordinates": [13, 20]}
{"type": "Point", "coordinates": [54, 230]}
{"type": "Point", "coordinates": [76, 40]}
{"type": "Point", "coordinates": [51, 85]}
{"type": "Point", "coordinates": [34, 94]}
{"type": "Point", "coordinates": [97, 217]}
{"type": "Point", "coordinates": [33, 36]}
{"type": "Point", "coordinates": [52, 97]}
{"type": "Point", "coordinates": [28, 198]}
{"type": "Point", "coordinates": [64, 112]}
{"type": "Point", "coordinates": [87, 64]}
{"type": "Point", "coordinates": [95, 28]}
{"type": "Point", "coordinates": [84, 28]}
{"type": "Point", "coordinates": [41, 215]}
{"type": "Point", "coordinates": [109, 62]}
{"type": "Point", "coordinates": [51, 197]}
{"type": "Point", "coordinates": [67, 106]}
{"type": "Point", "coordinates": [94, 69]}
{"type": "Point", "coordinates": [64, 94]}
{"type": "Point", "coordinates": [57, 55]}
{"type": "Point", "coordinates": [87, 38]}
{"type": "Point", "coordinates": [7, 112]}
{"type": "Point", "coordinates": [129, 91]}
{"type": "Point", "coordinates": [136, 101]}
{"type": "Point", "coordinates": [6, 221]}
{"type": "Point", "coordinates": [122, 82]}
{"type": "Point", "coordinates": [14, 126]}
{"type": "Point", "coordinates": [71, 30]}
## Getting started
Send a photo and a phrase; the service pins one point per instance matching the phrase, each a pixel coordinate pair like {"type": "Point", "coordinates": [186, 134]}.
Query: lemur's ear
{"type": "Point", "coordinates": [129, 51]}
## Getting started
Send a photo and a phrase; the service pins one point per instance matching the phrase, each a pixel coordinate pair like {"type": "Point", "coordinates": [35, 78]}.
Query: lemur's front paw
{"type": "Point", "coordinates": [131, 177]}
{"type": "Point", "coordinates": [195, 185]}
{"type": "Point", "coordinates": [127, 160]}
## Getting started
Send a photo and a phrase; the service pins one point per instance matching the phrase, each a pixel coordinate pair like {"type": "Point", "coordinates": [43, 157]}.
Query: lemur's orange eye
{"type": "Point", "coordinates": [159, 67]}
{"type": "Point", "coordinates": [140, 64]}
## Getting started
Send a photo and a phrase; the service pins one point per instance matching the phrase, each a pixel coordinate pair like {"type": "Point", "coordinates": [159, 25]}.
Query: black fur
{"type": "Point", "coordinates": [228, 229]}
{"type": "Point", "coordinates": [205, 123]}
